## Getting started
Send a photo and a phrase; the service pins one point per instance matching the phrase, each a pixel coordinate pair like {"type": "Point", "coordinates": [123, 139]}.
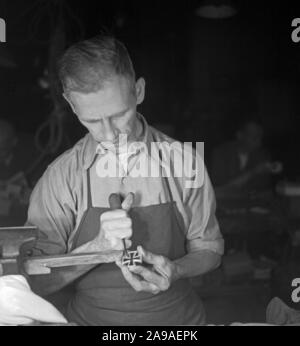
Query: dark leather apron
{"type": "Point", "coordinates": [103, 296]}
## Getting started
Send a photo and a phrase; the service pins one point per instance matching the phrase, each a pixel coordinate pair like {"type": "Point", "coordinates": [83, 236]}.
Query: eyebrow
{"type": "Point", "coordinates": [91, 120]}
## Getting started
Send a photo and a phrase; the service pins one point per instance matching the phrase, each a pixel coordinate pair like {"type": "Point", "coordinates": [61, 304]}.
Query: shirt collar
{"type": "Point", "coordinates": [93, 148]}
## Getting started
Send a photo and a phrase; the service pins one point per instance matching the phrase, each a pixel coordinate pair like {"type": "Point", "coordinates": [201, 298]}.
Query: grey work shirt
{"type": "Point", "coordinates": [59, 199]}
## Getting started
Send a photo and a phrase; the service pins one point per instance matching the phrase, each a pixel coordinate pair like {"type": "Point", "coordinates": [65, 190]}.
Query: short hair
{"type": "Point", "coordinates": [88, 64]}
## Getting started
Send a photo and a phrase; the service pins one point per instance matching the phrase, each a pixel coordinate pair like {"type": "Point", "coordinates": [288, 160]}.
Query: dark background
{"type": "Point", "coordinates": [202, 75]}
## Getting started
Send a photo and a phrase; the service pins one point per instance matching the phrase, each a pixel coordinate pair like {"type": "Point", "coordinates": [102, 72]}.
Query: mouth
{"type": "Point", "coordinates": [117, 142]}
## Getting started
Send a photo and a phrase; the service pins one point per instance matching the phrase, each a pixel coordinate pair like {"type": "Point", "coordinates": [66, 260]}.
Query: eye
{"type": "Point", "coordinates": [120, 115]}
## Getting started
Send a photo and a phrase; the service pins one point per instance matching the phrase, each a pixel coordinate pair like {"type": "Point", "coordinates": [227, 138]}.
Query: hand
{"type": "Point", "coordinates": [158, 277]}
{"type": "Point", "coordinates": [275, 167]}
{"type": "Point", "coordinates": [115, 225]}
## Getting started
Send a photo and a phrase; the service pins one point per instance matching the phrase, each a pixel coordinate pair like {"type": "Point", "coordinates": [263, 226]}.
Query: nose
{"type": "Point", "coordinates": [110, 133]}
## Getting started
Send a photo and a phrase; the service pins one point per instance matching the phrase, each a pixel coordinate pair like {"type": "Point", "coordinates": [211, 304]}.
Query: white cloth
{"type": "Point", "coordinates": [281, 314]}
{"type": "Point", "coordinates": [20, 306]}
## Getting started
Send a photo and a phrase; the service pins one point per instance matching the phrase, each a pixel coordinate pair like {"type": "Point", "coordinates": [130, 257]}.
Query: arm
{"type": "Point", "coordinates": [52, 209]}
{"type": "Point", "coordinates": [205, 244]}
{"type": "Point", "coordinates": [228, 185]}
{"type": "Point", "coordinates": [53, 213]}
{"type": "Point", "coordinates": [244, 178]}
{"type": "Point", "coordinates": [45, 285]}
{"type": "Point", "coordinates": [203, 233]}
{"type": "Point", "coordinates": [205, 247]}
{"type": "Point", "coordinates": [196, 263]}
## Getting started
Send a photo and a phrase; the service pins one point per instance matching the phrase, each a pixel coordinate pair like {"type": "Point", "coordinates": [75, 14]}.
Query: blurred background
{"type": "Point", "coordinates": [203, 74]}
{"type": "Point", "coordinates": [219, 72]}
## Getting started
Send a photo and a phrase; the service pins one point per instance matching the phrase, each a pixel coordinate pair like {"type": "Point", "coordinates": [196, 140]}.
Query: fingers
{"type": "Point", "coordinates": [136, 282]}
{"type": "Point", "coordinates": [114, 201]}
{"type": "Point", "coordinates": [151, 258]}
{"type": "Point", "coordinates": [116, 229]}
{"type": "Point", "coordinates": [117, 233]}
{"type": "Point", "coordinates": [160, 263]}
{"type": "Point", "coordinates": [115, 224]}
{"type": "Point", "coordinates": [122, 223]}
{"type": "Point", "coordinates": [128, 201]}
{"type": "Point", "coordinates": [117, 244]}
{"type": "Point", "coordinates": [113, 214]}
{"type": "Point", "coordinates": [160, 281]}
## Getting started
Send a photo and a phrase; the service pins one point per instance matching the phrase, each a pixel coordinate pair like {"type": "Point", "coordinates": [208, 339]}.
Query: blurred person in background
{"type": "Point", "coordinates": [243, 166]}
{"type": "Point", "coordinates": [249, 214]}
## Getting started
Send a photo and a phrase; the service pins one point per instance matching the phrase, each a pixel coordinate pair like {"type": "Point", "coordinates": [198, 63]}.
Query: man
{"type": "Point", "coordinates": [247, 209]}
{"type": "Point", "coordinates": [173, 227]}
{"type": "Point", "coordinates": [243, 165]}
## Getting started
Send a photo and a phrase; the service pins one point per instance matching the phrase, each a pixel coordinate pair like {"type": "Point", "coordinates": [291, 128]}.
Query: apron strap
{"type": "Point", "coordinates": [165, 179]}
{"type": "Point", "coordinates": [166, 183]}
{"type": "Point", "coordinates": [89, 206]}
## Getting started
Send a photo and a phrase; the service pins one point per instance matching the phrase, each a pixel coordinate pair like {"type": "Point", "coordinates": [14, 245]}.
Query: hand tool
{"type": "Point", "coordinates": [116, 203]}
{"type": "Point", "coordinates": [17, 242]}
{"type": "Point", "coordinates": [129, 258]}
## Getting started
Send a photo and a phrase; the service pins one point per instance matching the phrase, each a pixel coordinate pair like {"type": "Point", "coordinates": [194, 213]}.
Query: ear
{"type": "Point", "coordinates": [140, 90]}
{"type": "Point", "coordinates": [69, 102]}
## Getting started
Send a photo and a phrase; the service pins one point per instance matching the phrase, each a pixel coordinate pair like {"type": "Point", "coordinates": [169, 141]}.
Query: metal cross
{"type": "Point", "coordinates": [132, 259]}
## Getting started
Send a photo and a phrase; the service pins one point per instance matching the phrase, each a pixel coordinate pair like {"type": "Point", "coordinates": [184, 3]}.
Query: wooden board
{"type": "Point", "coordinates": [43, 264]}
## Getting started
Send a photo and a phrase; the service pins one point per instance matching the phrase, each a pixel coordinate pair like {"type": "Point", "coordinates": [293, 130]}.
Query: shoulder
{"type": "Point", "coordinates": [186, 159]}
{"type": "Point", "coordinates": [158, 135]}
{"type": "Point", "coordinates": [188, 149]}
{"type": "Point", "coordinates": [165, 142]}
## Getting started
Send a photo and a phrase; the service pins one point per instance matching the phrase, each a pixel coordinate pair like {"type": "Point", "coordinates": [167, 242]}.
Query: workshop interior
{"type": "Point", "coordinates": [218, 72]}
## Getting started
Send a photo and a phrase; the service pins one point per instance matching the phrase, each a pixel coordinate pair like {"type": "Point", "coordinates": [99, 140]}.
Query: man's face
{"type": "Point", "coordinates": [110, 111]}
{"type": "Point", "coordinates": [251, 137]}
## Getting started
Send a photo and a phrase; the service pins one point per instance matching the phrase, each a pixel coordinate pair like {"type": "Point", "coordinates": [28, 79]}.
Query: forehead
{"type": "Point", "coordinates": [113, 98]}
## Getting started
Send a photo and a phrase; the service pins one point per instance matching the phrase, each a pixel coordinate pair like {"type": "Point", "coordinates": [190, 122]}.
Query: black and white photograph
{"type": "Point", "coordinates": [149, 165]}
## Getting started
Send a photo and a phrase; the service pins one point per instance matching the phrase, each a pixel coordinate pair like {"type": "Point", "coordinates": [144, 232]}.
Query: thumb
{"type": "Point", "coordinates": [128, 201]}
{"type": "Point", "coordinates": [148, 256]}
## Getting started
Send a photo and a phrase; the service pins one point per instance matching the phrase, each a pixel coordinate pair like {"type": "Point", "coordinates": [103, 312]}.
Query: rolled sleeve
{"type": "Point", "coordinates": [203, 232]}
{"type": "Point", "coordinates": [51, 210]}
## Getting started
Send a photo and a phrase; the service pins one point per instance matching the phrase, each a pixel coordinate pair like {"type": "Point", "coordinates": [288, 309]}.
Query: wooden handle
{"type": "Point", "coordinates": [43, 264]}
{"type": "Point", "coordinates": [115, 201]}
